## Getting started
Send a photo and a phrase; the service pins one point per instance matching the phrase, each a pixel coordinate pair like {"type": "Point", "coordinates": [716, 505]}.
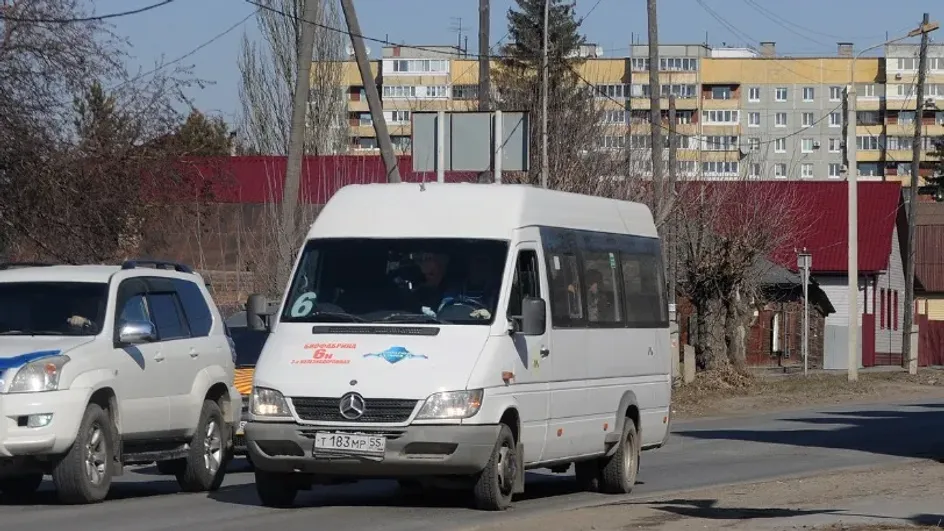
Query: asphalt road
{"type": "Point", "coordinates": [700, 453]}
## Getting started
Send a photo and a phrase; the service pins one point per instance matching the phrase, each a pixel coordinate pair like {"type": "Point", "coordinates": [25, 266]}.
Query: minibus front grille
{"type": "Point", "coordinates": [385, 410]}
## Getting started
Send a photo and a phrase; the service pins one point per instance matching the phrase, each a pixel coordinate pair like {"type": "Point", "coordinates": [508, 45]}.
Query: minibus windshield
{"type": "Point", "coordinates": [410, 280]}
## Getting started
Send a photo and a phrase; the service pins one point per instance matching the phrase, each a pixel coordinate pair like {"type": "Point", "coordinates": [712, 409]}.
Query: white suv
{"type": "Point", "coordinates": [103, 366]}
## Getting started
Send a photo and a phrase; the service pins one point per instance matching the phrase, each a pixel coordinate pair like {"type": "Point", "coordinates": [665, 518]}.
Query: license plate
{"type": "Point", "coordinates": [242, 428]}
{"type": "Point", "coordinates": [350, 443]}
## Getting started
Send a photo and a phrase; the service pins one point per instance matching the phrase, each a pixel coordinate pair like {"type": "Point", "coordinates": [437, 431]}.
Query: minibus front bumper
{"type": "Point", "coordinates": [418, 450]}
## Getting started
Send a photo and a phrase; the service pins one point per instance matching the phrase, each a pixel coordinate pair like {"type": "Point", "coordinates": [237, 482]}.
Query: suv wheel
{"type": "Point", "coordinates": [83, 474]}
{"type": "Point", "coordinates": [205, 467]}
{"type": "Point", "coordinates": [20, 487]}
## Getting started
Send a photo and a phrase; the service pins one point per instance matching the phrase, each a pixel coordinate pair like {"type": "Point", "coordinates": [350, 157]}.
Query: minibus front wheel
{"type": "Point", "coordinates": [496, 483]}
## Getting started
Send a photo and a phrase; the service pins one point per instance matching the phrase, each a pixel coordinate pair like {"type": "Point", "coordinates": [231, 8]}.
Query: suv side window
{"type": "Point", "coordinates": [135, 309]}
{"type": "Point", "coordinates": [168, 316]}
{"type": "Point", "coordinates": [130, 302]}
{"type": "Point", "coordinates": [196, 311]}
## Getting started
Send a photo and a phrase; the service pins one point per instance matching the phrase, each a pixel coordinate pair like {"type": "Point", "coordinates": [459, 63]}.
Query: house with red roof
{"type": "Point", "coordinates": [881, 224]}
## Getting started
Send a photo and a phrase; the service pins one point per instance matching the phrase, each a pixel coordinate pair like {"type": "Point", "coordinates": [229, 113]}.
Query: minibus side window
{"type": "Point", "coordinates": [527, 282]}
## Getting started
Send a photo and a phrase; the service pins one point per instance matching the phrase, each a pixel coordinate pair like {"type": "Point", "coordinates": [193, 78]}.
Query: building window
{"type": "Point", "coordinates": [835, 145]}
{"type": "Point", "coordinates": [721, 93]}
{"type": "Point", "coordinates": [808, 93]}
{"type": "Point", "coordinates": [895, 307]}
{"type": "Point", "coordinates": [437, 91]}
{"type": "Point", "coordinates": [753, 119]}
{"type": "Point", "coordinates": [417, 66]}
{"type": "Point", "coordinates": [806, 170]}
{"type": "Point", "coordinates": [754, 171]}
{"type": "Point", "coordinates": [806, 145]}
{"type": "Point", "coordinates": [869, 143]}
{"type": "Point", "coordinates": [465, 92]}
{"type": "Point", "coordinates": [397, 117]}
{"type": "Point", "coordinates": [835, 119]}
{"type": "Point", "coordinates": [868, 118]}
{"type": "Point", "coordinates": [939, 118]}
{"type": "Point", "coordinates": [614, 117]}
{"type": "Point", "coordinates": [401, 143]}
{"type": "Point", "coordinates": [835, 93]}
{"type": "Point", "coordinates": [399, 91]}
{"type": "Point", "coordinates": [882, 308]}
{"type": "Point", "coordinates": [867, 169]}
{"type": "Point", "coordinates": [780, 145]}
{"type": "Point", "coordinates": [906, 117]}
{"type": "Point", "coordinates": [364, 118]}
{"type": "Point", "coordinates": [907, 63]}
{"type": "Point", "coordinates": [753, 94]}
{"type": "Point", "coordinates": [720, 117]}
{"type": "Point", "coordinates": [835, 170]}
{"type": "Point", "coordinates": [781, 94]}
{"type": "Point", "coordinates": [780, 119]}
{"type": "Point", "coordinates": [753, 144]}
{"type": "Point", "coordinates": [613, 142]}
{"type": "Point", "coordinates": [720, 168]}
{"type": "Point", "coordinates": [617, 92]}
{"type": "Point", "coordinates": [866, 90]}
{"type": "Point", "coordinates": [780, 170]}
{"type": "Point", "coordinates": [640, 64]}
{"type": "Point", "coordinates": [678, 90]}
{"type": "Point", "coordinates": [721, 143]}
{"type": "Point", "coordinates": [808, 119]}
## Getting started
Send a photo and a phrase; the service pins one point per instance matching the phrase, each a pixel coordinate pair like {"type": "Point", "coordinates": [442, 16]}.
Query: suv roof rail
{"type": "Point", "coordinates": [157, 264]}
{"type": "Point", "coordinates": [16, 265]}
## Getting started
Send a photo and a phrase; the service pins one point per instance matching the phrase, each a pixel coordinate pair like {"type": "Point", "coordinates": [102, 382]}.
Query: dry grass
{"type": "Point", "coordinates": [726, 393]}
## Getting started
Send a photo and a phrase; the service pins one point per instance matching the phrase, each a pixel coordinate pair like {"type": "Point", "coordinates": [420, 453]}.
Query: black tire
{"type": "Point", "coordinates": [495, 485]}
{"type": "Point", "coordinates": [171, 468]}
{"type": "Point", "coordinates": [81, 479]}
{"type": "Point", "coordinates": [276, 489]}
{"type": "Point", "coordinates": [19, 488]}
{"type": "Point", "coordinates": [618, 472]}
{"type": "Point", "coordinates": [205, 467]}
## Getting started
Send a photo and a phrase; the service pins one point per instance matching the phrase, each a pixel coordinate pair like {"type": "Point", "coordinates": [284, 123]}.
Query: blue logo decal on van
{"type": "Point", "coordinates": [395, 355]}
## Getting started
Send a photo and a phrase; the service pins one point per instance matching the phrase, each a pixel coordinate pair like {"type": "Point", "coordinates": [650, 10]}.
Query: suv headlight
{"type": "Point", "coordinates": [39, 375]}
{"type": "Point", "coordinates": [268, 403]}
{"type": "Point", "coordinates": [452, 405]}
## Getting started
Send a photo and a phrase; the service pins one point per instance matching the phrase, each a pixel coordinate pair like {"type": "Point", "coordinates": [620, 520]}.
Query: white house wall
{"type": "Point", "coordinates": [888, 341]}
{"type": "Point", "coordinates": [837, 289]}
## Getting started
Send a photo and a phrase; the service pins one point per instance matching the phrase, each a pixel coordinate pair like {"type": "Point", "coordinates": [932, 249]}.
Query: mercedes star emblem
{"type": "Point", "coordinates": [352, 406]}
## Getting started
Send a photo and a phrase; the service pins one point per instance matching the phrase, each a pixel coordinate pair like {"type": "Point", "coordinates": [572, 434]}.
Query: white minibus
{"type": "Point", "coordinates": [461, 334]}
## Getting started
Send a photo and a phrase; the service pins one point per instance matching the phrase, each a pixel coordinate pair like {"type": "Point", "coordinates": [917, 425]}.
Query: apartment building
{"type": "Point", "coordinates": [739, 111]}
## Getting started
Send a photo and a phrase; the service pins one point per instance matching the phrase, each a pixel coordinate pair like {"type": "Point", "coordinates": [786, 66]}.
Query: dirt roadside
{"type": "Point", "coordinates": [878, 499]}
{"type": "Point", "coordinates": [730, 394]}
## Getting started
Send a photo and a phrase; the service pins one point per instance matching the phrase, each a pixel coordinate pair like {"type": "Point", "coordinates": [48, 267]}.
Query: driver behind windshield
{"type": "Point", "coordinates": [478, 285]}
{"type": "Point", "coordinates": [433, 266]}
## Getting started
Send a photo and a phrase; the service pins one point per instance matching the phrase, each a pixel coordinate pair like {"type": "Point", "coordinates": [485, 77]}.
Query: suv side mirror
{"type": "Point", "coordinates": [136, 333]}
{"type": "Point", "coordinates": [257, 309]}
{"type": "Point", "coordinates": [533, 316]}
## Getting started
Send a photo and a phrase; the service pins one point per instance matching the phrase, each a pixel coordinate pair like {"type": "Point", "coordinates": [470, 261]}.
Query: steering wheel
{"type": "Point", "coordinates": [462, 300]}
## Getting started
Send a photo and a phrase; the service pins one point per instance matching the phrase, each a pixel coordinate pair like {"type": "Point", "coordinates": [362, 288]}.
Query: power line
{"type": "Point", "coordinates": [162, 66]}
{"type": "Point", "coordinates": [95, 18]}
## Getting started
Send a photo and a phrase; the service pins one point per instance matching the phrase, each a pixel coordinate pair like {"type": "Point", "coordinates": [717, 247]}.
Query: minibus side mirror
{"type": "Point", "coordinates": [257, 309]}
{"type": "Point", "coordinates": [533, 316]}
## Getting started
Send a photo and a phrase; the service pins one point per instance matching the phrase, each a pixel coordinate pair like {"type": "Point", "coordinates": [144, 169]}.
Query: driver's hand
{"type": "Point", "coordinates": [78, 320]}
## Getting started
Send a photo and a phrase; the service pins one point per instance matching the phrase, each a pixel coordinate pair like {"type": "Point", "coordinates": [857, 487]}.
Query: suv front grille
{"type": "Point", "coordinates": [389, 410]}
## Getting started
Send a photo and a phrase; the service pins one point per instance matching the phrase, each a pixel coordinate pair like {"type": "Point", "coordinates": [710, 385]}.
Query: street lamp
{"type": "Point", "coordinates": [852, 179]}
{"type": "Point", "coordinates": [804, 263]}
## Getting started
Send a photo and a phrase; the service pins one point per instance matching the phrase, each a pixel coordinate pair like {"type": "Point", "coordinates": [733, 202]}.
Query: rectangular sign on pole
{"type": "Point", "coordinates": [465, 141]}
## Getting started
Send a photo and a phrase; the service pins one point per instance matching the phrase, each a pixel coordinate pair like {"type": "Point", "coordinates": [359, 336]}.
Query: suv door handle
{"type": "Point", "coordinates": [194, 353]}
{"type": "Point", "coordinates": [545, 352]}
{"type": "Point", "coordinates": [159, 357]}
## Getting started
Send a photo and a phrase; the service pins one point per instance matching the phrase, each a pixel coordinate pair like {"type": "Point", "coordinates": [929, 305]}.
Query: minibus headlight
{"type": "Point", "coordinates": [452, 405]}
{"type": "Point", "coordinates": [268, 403]}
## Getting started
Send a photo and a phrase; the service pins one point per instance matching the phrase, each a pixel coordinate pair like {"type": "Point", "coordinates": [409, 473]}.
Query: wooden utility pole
{"type": "Point", "coordinates": [544, 163]}
{"type": "Point", "coordinates": [484, 70]}
{"type": "Point", "coordinates": [296, 143]}
{"type": "Point", "coordinates": [655, 111]}
{"type": "Point", "coordinates": [673, 174]}
{"type": "Point", "coordinates": [370, 87]}
{"type": "Point", "coordinates": [907, 329]}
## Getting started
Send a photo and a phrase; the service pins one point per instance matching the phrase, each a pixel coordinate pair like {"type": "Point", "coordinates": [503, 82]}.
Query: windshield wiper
{"type": "Point", "coordinates": [405, 317]}
{"type": "Point", "coordinates": [339, 315]}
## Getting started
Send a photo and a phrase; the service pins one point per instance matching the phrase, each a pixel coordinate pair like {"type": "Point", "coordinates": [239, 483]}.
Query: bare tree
{"type": "Point", "coordinates": [79, 174]}
{"type": "Point", "coordinates": [725, 229]}
{"type": "Point", "coordinates": [267, 81]}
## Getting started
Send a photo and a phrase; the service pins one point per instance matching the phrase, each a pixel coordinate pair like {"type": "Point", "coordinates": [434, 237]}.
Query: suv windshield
{"type": "Point", "coordinates": [52, 308]}
{"type": "Point", "coordinates": [360, 280]}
